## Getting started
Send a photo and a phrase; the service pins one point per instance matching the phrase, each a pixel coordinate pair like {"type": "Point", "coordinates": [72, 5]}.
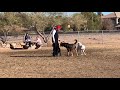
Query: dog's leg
{"type": "Point", "coordinates": [76, 52]}
{"type": "Point", "coordinates": [68, 53]}
{"type": "Point", "coordinates": [84, 52]}
{"type": "Point", "coordinates": [81, 52]}
{"type": "Point", "coordinates": [60, 53]}
{"type": "Point", "coordinates": [72, 53]}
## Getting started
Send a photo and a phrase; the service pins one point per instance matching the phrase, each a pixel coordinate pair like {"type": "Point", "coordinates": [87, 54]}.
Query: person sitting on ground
{"type": "Point", "coordinates": [38, 42]}
{"type": "Point", "coordinates": [27, 40]}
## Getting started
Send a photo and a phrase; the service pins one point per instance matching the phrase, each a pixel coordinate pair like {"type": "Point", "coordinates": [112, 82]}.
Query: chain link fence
{"type": "Point", "coordinates": [111, 37]}
{"type": "Point", "coordinates": [92, 37]}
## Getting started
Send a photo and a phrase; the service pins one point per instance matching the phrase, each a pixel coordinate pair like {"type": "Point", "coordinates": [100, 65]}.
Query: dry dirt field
{"type": "Point", "coordinates": [101, 61]}
{"type": "Point", "coordinates": [98, 63]}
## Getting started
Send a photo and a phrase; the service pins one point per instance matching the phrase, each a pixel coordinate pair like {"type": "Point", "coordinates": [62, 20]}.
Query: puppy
{"type": "Point", "coordinates": [81, 48]}
{"type": "Point", "coordinates": [70, 47]}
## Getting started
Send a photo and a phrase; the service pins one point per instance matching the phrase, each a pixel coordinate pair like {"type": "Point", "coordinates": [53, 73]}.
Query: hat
{"type": "Point", "coordinates": [58, 27]}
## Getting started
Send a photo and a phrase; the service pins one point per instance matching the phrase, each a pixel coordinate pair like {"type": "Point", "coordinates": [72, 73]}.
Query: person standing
{"type": "Point", "coordinates": [55, 41]}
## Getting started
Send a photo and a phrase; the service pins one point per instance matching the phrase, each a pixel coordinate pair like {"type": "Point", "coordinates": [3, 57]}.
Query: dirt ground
{"type": "Point", "coordinates": [100, 62]}
{"type": "Point", "coordinates": [102, 59]}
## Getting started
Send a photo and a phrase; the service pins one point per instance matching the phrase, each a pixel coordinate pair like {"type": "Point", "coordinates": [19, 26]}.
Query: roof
{"type": "Point", "coordinates": [117, 14]}
{"type": "Point", "coordinates": [112, 15]}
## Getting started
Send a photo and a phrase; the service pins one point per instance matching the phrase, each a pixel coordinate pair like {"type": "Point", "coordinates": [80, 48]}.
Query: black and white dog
{"type": "Point", "coordinates": [70, 47]}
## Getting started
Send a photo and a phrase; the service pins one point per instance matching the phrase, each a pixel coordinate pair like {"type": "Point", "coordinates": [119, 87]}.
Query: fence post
{"type": "Point", "coordinates": [102, 36]}
{"type": "Point", "coordinates": [78, 36]}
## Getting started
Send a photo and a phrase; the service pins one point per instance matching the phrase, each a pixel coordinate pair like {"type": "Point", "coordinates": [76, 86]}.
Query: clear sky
{"type": "Point", "coordinates": [104, 13]}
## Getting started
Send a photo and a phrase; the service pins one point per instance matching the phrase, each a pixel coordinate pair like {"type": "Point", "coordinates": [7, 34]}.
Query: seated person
{"type": "Point", "coordinates": [27, 40]}
{"type": "Point", "coordinates": [38, 42]}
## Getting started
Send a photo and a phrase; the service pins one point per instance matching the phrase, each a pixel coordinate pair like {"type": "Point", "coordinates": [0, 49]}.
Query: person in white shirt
{"type": "Point", "coordinates": [55, 41]}
{"type": "Point", "coordinates": [38, 42]}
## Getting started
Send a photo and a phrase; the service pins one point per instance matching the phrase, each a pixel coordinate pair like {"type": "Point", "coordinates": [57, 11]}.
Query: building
{"type": "Point", "coordinates": [115, 17]}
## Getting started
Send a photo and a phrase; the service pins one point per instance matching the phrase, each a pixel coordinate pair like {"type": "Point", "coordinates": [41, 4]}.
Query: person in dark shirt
{"type": "Point", "coordinates": [27, 39]}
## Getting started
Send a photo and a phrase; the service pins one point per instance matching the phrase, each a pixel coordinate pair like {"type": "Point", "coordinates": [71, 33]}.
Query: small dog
{"type": "Point", "coordinates": [70, 47]}
{"type": "Point", "coordinates": [80, 48]}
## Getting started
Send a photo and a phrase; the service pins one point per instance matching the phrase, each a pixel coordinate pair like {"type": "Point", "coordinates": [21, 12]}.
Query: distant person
{"type": "Point", "coordinates": [38, 42]}
{"type": "Point", "coordinates": [27, 39]}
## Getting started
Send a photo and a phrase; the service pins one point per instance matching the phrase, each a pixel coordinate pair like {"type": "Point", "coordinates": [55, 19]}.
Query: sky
{"type": "Point", "coordinates": [105, 13]}
{"type": "Point", "coordinates": [70, 13]}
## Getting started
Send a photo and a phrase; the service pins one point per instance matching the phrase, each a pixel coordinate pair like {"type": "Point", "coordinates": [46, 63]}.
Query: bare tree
{"type": "Point", "coordinates": [42, 19]}
{"type": "Point", "coordinates": [43, 35]}
{"type": "Point", "coordinates": [5, 32]}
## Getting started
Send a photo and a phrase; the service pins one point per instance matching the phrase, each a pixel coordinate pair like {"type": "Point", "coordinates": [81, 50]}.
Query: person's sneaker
{"type": "Point", "coordinates": [59, 54]}
{"type": "Point", "coordinates": [55, 55]}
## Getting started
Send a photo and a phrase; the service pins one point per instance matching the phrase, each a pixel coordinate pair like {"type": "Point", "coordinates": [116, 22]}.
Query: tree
{"type": "Point", "coordinates": [93, 20]}
{"type": "Point", "coordinates": [54, 14]}
{"type": "Point", "coordinates": [4, 31]}
{"type": "Point", "coordinates": [10, 22]}
{"type": "Point", "coordinates": [66, 21]}
{"type": "Point", "coordinates": [55, 18]}
{"type": "Point", "coordinates": [78, 21]}
{"type": "Point", "coordinates": [99, 13]}
{"type": "Point", "coordinates": [23, 20]}
{"type": "Point", "coordinates": [40, 20]}
{"type": "Point", "coordinates": [43, 20]}
{"type": "Point", "coordinates": [107, 24]}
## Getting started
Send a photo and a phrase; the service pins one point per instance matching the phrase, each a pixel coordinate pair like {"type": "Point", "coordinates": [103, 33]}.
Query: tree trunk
{"type": "Point", "coordinates": [44, 37]}
{"type": "Point", "coordinates": [4, 39]}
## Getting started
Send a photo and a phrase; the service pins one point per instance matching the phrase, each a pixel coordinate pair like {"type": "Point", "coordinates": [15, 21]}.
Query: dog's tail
{"type": "Point", "coordinates": [75, 41]}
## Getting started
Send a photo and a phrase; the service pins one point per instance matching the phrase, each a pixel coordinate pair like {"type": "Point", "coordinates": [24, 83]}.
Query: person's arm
{"type": "Point", "coordinates": [53, 35]}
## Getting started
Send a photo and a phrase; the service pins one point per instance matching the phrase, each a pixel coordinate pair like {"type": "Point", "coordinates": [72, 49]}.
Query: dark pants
{"type": "Point", "coordinates": [55, 49]}
{"type": "Point", "coordinates": [37, 46]}
{"type": "Point", "coordinates": [28, 43]}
